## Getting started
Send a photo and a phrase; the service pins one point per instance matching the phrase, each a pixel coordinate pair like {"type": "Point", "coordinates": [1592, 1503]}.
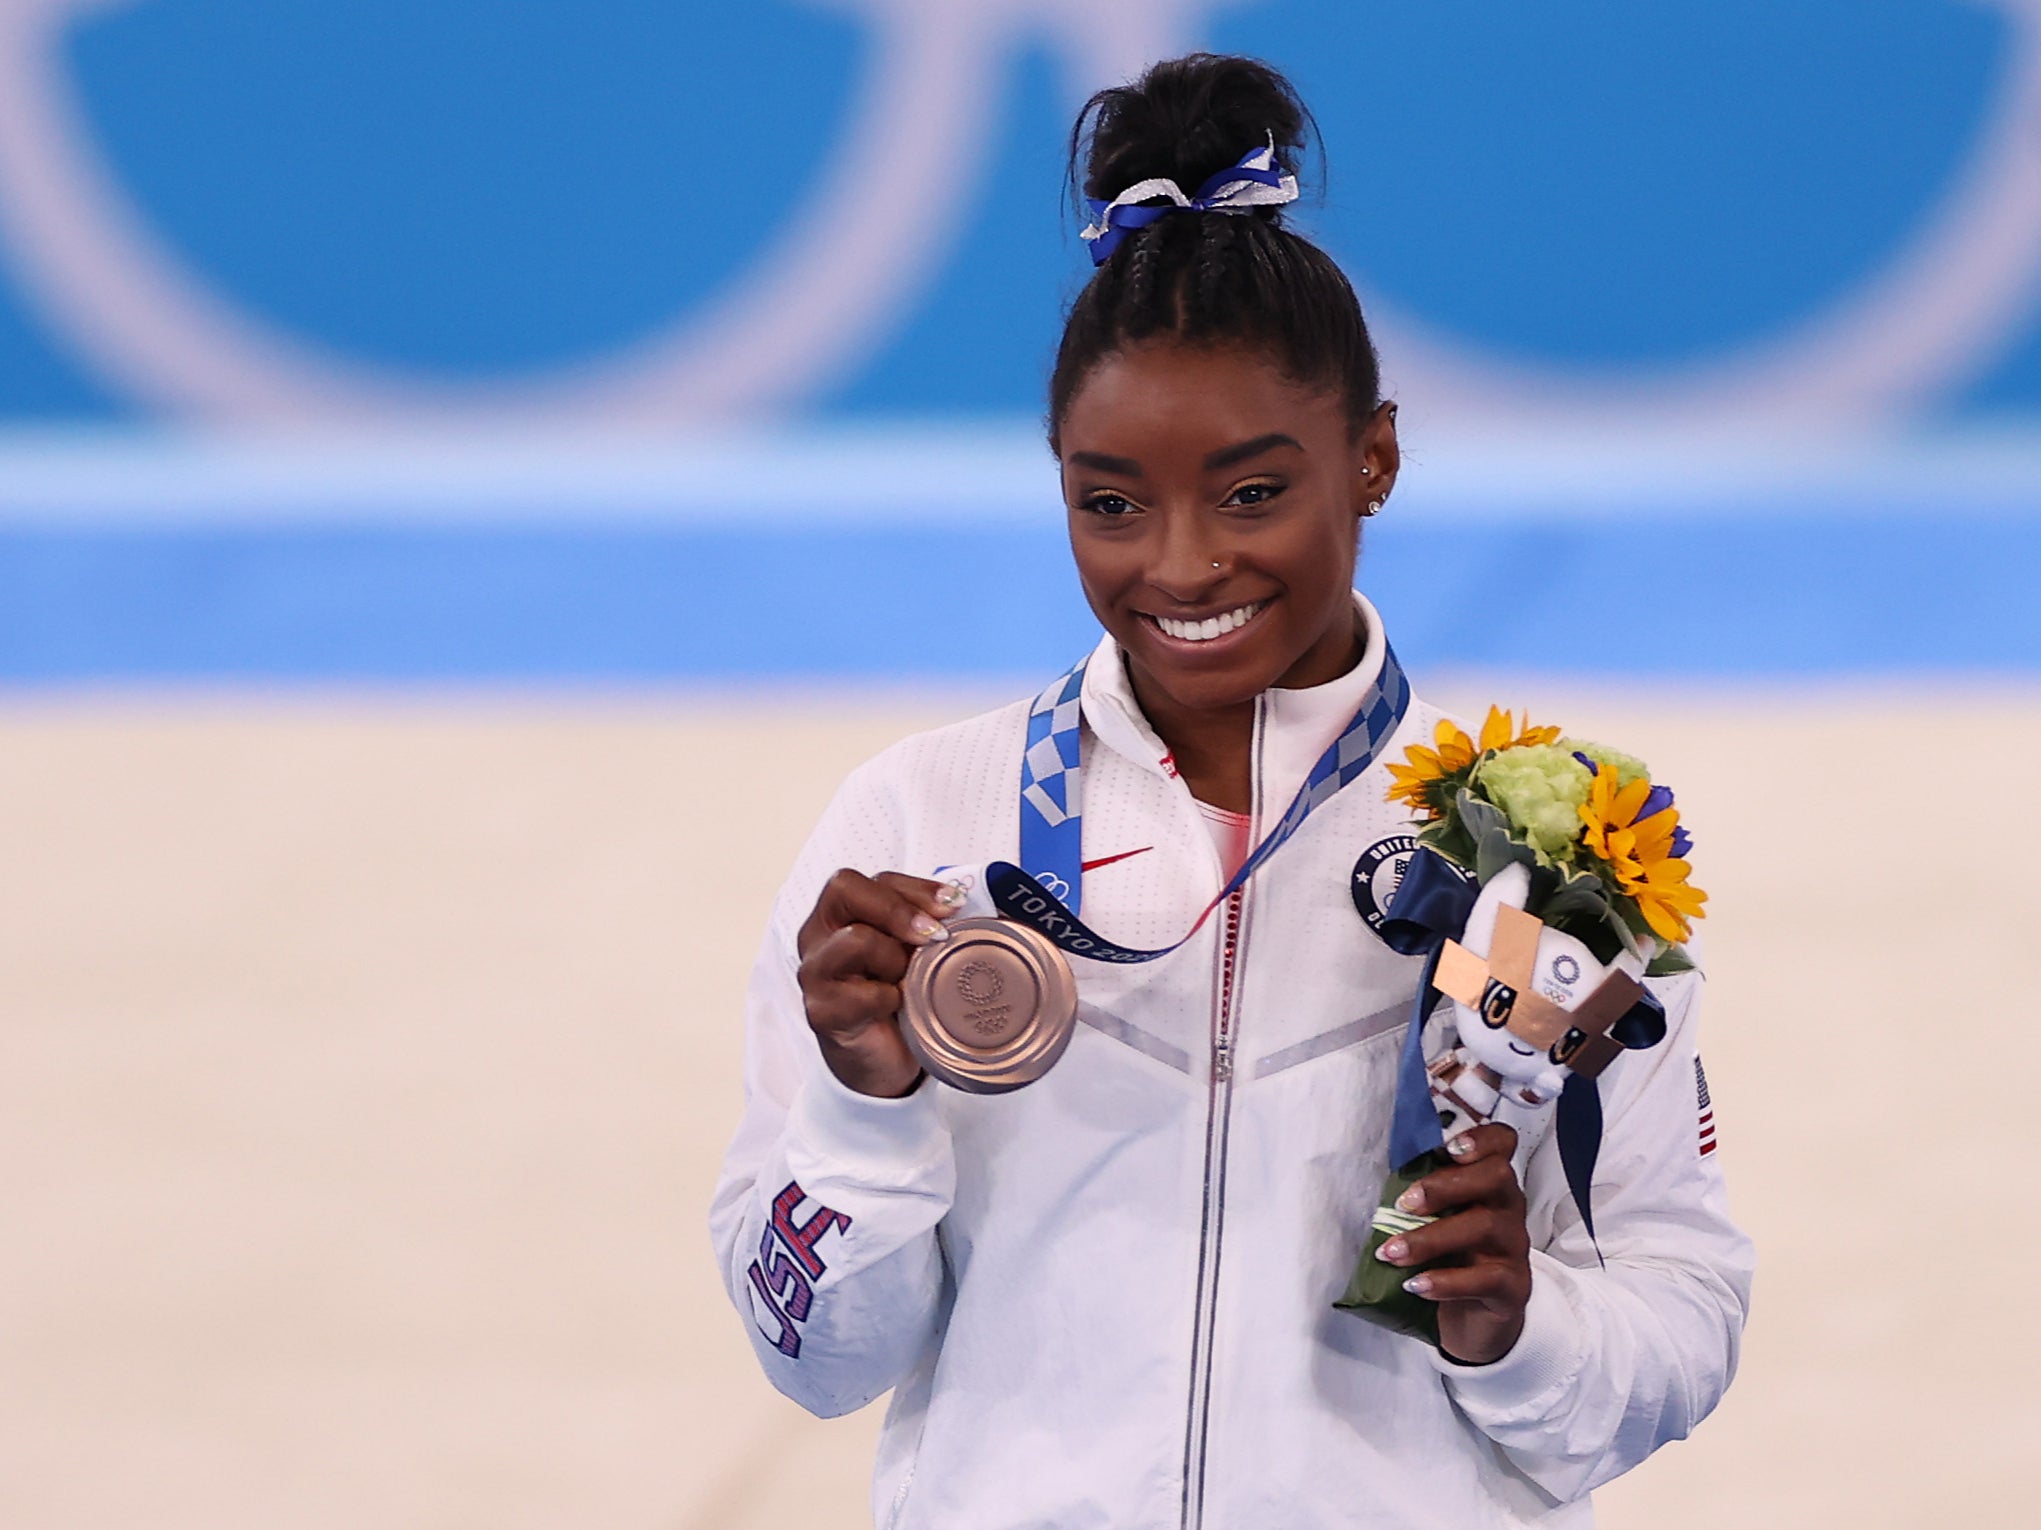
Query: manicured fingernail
{"type": "Point", "coordinates": [1418, 1285]}
{"type": "Point", "coordinates": [927, 929]}
{"type": "Point", "coordinates": [1411, 1200]}
{"type": "Point", "coordinates": [1460, 1147]}
{"type": "Point", "coordinates": [1393, 1251]}
{"type": "Point", "coordinates": [951, 896]}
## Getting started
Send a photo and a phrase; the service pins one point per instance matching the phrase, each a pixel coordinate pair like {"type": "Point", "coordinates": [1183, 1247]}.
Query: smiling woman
{"type": "Point", "coordinates": [1216, 408]}
{"type": "Point", "coordinates": [1108, 1298]}
{"type": "Point", "coordinates": [1219, 570]}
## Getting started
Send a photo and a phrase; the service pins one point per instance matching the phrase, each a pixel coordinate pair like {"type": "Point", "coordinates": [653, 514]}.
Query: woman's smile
{"type": "Point", "coordinates": [1206, 633]}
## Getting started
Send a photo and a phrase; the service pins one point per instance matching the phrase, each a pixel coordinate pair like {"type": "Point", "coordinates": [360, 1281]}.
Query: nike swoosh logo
{"type": "Point", "coordinates": [1107, 860]}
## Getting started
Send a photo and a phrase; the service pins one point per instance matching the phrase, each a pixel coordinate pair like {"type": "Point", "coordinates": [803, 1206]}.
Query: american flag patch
{"type": "Point", "coordinates": [1706, 1108]}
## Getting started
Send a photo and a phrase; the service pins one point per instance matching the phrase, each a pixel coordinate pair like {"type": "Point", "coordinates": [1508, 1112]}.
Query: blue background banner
{"type": "Point", "coordinates": [1708, 245]}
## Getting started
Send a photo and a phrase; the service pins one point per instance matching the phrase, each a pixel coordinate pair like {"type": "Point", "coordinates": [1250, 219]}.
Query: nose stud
{"type": "Point", "coordinates": [1215, 563]}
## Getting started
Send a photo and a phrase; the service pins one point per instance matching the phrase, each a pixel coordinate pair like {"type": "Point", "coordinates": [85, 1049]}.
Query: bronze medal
{"type": "Point", "coordinates": [989, 1009]}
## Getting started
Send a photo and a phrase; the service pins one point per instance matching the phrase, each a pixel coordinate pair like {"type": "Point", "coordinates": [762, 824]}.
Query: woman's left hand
{"type": "Point", "coordinates": [1484, 1280]}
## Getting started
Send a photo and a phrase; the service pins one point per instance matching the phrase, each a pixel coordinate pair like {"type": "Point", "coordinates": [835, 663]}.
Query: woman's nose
{"type": "Point", "coordinates": [1187, 566]}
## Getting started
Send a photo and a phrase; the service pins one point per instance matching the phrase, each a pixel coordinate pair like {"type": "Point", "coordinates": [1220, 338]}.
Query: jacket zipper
{"type": "Point", "coordinates": [1212, 1224]}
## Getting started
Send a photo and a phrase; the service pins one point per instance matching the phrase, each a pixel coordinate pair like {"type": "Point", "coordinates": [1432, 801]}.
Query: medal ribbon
{"type": "Point", "coordinates": [1048, 893]}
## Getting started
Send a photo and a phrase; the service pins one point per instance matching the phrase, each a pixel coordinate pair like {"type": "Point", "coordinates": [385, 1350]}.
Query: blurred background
{"type": "Point", "coordinates": [473, 477]}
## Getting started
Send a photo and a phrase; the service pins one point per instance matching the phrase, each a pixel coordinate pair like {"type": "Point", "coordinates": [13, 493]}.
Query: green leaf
{"type": "Point", "coordinates": [1495, 850]}
{"type": "Point", "coordinates": [1578, 897]}
{"type": "Point", "coordinates": [1479, 814]}
{"type": "Point", "coordinates": [1449, 840]}
{"type": "Point", "coordinates": [1593, 931]}
{"type": "Point", "coordinates": [1628, 922]}
{"type": "Point", "coordinates": [1669, 961]}
{"type": "Point", "coordinates": [1575, 904]}
{"type": "Point", "coordinates": [1441, 792]}
{"type": "Point", "coordinates": [1494, 845]}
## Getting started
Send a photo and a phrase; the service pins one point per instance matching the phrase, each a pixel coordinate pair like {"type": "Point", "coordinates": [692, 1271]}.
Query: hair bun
{"type": "Point", "coordinates": [1185, 120]}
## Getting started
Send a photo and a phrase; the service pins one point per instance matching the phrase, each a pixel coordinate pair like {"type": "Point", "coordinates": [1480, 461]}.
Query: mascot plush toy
{"type": "Point", "coordinates": [1530, 1006]}
{"type": "Point", "coordinates": [1534, 1018]}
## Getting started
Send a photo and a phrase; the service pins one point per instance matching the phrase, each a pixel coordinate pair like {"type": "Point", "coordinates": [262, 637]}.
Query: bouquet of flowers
{"type": "Point", "coordinates": [1603, 843]}
{"type": "Point", "coordinates": [1578, 888]}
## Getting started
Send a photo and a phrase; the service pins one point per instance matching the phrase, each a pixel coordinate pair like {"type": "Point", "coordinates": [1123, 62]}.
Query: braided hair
{"type": "Point", "coordinates": [1208, 278]}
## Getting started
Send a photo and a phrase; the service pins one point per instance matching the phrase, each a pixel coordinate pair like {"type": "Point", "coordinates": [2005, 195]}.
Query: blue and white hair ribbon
{"type": "Point", "coordinates": [1046, 888]}
{"type": "Point", "coordinates": [1254, 181]}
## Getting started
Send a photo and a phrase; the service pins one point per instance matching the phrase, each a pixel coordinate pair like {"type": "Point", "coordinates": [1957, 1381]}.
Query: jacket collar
{"type": "Point", "coordinates": [1297, 726]}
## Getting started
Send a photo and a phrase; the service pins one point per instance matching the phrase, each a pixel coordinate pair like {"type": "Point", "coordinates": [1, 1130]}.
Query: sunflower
{"type": "Point", "coordinates": [1425, 768]}
{"type": "Point", "coordinates": [1610, 814]}
{"type": "Point", "coordinates": [1635, 831]}
{"type": "Point", "coordinates": [1417, 780]}
{"type": "Point", "coordinates": [1668, 902]}
{"type": "Point", "coordinates": [1499, 731]}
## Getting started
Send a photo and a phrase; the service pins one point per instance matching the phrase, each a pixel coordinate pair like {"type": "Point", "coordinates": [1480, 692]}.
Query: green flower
{"type": "Point", "coordinates": [1540, 788]}
{"type": "Point", "coordinates": [1628, 767]}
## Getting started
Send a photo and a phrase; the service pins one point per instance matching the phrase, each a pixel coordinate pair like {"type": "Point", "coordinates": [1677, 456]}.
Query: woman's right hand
{"type": "Point", "coordinates": [854, 949]}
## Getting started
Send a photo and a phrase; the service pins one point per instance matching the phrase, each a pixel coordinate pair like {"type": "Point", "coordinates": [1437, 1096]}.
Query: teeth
{"type": "Point", "coordinates": [1211, 627]}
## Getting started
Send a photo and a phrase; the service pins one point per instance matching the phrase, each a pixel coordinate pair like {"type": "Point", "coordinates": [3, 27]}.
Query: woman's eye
{"type": "Point", "coordinates": [1254, 494]}
{"type": "Point", "coordinates": [1109, 504]}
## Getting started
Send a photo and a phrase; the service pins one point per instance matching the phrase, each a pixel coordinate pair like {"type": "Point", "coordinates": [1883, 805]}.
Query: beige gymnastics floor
{"type": "Point", "coordinates": [364, 1065]}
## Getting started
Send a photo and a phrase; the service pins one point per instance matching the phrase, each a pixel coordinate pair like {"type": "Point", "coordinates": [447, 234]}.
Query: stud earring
{"type": "Point", "coordinates": [1374, 507]}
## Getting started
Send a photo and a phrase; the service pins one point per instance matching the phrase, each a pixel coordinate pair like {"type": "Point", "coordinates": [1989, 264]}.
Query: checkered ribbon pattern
{"type": "Point", "coordinates": [1052, 780]}
{"type": "Point", "coordinates": [1046, 893]}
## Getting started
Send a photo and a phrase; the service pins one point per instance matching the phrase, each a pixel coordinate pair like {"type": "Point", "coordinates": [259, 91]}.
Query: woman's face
{"type": "Point", "coordinates": [1215, 517]}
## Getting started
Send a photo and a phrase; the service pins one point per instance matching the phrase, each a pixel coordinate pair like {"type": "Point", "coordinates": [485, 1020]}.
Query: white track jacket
{"type": "Point", "coordinates": [1105, 1300]}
